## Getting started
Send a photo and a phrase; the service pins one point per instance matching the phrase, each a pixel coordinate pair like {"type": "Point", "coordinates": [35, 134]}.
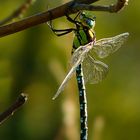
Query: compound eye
{"type": "Point", "coordinates": [87, 21]}
{"type": "Point", "coordinates": [90, 22]}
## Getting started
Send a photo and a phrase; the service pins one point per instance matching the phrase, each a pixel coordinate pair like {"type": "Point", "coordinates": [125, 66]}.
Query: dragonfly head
{"type": "Point", "coordinates": [87, 20]}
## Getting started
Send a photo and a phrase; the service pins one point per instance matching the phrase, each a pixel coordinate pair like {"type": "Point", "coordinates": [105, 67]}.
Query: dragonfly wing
{"type": "Point", "coordinates": [94, 71]}
{"type": "Point", "coordinates": [81, 52]}
{"type": "Point", "coordinates": [106, 46]}
{"type": "Point", "coordinates": [77, 59]}
{"type": "Point", "coordinates": [67, 78]}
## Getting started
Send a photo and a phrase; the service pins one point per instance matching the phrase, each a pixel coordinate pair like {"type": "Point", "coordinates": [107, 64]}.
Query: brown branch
{"type": "Point", "coordinates": [85, 1]}
{"type": "Point", "coordinates": [119, 5]}
{"type": "Point", "coordinates": [18, 12]}
{"type": "Point", "coordinates": [113, 8]}
{"type": "Point", "coordinates": [16, 105]}
{"type": "Point", "coordinates": [71, 7]}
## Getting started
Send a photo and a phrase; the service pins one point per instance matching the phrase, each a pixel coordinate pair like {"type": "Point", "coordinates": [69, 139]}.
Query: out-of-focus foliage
{"type": "Point", "coordinates": [35, 61]}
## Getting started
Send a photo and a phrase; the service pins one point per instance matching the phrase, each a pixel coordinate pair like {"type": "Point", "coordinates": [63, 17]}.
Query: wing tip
{"type": "Point", "coordinates": [55, 96]}
{"type": "Point", "coordinates": [126, 34]}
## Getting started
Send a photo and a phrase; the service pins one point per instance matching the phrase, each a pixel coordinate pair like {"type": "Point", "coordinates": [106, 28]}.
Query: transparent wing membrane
{"type": "Point", "coordinates": [81, 52]}
{"type": "Point", "coordinates": [77, 58]}
{"type": "Point", "coordinates": [107, 46]}
{"type": "Point", "coordinates": [94, 71]}
{"type": "Point", "coordinates": [67, 78]}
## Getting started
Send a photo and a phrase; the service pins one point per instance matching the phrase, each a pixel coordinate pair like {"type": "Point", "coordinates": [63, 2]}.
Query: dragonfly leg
{"type": "Point", "coordinates": [73, 20]}
{"type": "Point", "coordinates": [59, 32]}
{"type": "Point", "coordinates": [63, 31]}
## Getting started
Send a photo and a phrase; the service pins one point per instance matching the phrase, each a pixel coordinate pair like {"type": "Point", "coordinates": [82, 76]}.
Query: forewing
{"type": "Point", "coordinates": [77, 58]}
{"type": "Point", "coordinates": [67, 78]}
{"type": "Point", "coordinates": [94, 71]}
{"type": "Point", "coordinates": [81, 52]}
{"type": "Point", "coordinates": [106, 46]}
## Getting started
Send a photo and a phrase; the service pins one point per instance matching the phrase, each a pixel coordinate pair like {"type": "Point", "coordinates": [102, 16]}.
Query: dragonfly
{"type": "Point", "coordinates": [84, 63]}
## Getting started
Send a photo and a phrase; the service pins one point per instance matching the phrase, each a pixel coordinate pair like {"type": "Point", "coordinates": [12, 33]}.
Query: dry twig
{"type": "Point", "coordinates": [18, 12]}
{"type": "Point", "coordinates": [16, 105]}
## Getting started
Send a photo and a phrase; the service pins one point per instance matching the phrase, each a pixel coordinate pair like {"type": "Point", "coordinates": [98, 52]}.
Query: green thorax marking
{"type": "Point", "coordinates": [83, 37]}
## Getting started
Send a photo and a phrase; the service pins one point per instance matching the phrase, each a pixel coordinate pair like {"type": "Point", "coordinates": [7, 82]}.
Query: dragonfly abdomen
{"type": "Point", "coordinates": [83, 101]}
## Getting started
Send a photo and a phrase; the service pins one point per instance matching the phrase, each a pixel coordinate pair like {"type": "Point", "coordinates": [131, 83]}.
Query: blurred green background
{"type": "Point", "coordinates": [35, 61]}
